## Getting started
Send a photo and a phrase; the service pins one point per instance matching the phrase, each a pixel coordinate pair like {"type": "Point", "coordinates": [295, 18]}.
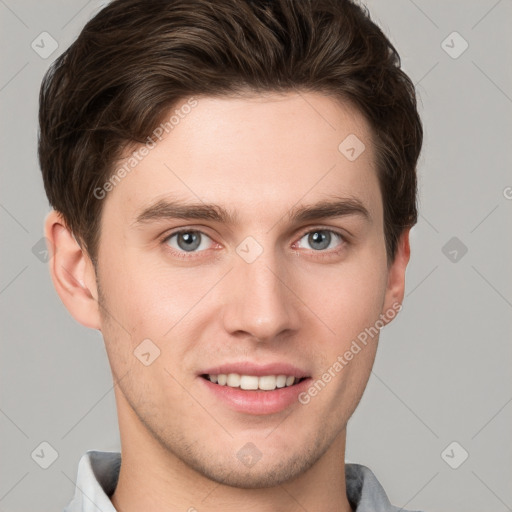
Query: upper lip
{"type": "Point", "coordinates": [258, 370]}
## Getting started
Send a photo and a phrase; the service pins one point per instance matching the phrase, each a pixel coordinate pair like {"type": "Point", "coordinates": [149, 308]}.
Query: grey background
{"type": "Point", "coordinates": [442, 372]}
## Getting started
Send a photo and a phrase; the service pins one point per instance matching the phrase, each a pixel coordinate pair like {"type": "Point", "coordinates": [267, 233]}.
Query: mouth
{"type": "Point", "coordinates": [253, 382]}
{"type": "Point", "coordinates": [255, 394]}
{"type": "Point", "coordinates": [254, 388]}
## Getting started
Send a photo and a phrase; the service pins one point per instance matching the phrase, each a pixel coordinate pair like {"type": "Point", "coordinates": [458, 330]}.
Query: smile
{"type": "Point", "coordinates": [253, 382]}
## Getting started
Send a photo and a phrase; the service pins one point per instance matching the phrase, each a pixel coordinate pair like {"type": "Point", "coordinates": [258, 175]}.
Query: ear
{"type": "Point", "coordinates": [396, 278]}
{"type": "Point", "coordinates": [72, 272]}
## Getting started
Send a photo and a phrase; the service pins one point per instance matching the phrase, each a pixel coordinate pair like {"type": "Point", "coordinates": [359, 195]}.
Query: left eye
{"type": "Point", "coordinates": [188, 241]}
{"type": "Point", "coordinates": [321, 239]}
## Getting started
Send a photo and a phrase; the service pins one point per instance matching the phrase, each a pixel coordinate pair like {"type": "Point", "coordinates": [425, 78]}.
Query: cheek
{"type": "Point", "coordinates": [348, 298]}
{"type": "Point", "coordinates": [350, 306]}
{"type": "Point", "coordinates": [151, 299]}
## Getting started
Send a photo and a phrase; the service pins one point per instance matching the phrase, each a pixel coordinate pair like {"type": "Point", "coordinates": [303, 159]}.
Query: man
{"type": "Point", "coordinates": [233, 183]}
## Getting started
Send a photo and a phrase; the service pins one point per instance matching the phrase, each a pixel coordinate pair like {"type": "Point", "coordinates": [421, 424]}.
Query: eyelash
{"type": "Point", "coordinates": [318, 254]}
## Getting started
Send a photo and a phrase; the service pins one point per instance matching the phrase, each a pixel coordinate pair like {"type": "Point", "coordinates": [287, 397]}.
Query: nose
{"type": "Point", "coordinates": [261, 303]}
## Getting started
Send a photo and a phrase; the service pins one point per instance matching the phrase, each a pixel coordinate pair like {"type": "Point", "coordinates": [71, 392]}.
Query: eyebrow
{"type": "Point", "coordinates": [333, 208]}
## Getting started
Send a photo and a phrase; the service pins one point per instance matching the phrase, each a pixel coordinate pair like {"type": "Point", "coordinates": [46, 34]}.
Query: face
{"type": "Point", "coordinates": [275, 271]}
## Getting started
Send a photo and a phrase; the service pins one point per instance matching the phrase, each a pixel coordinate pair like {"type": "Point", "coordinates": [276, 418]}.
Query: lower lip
{"type": "Point", "coordinates": [257, 401]}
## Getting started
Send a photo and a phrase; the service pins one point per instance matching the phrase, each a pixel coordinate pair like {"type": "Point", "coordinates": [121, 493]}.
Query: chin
{"type": "Point", "coordinates": [269, 470]}
{"type": "Point", "coordinates": [265, 476]}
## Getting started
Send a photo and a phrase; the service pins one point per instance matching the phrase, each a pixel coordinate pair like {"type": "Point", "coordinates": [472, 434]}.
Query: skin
{"type": "Point", "coordinates": [259, 157]}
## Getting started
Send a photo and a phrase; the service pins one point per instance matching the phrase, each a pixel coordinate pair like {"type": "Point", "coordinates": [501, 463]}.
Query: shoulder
{"type": "Point", "coordinates": [364, 491]}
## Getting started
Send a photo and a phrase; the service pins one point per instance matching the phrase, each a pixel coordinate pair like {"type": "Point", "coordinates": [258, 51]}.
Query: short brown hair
{"type": "Point", "coordinates": [136, 59]}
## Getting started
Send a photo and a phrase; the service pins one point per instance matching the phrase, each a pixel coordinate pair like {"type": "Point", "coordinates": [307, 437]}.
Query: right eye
{"type": "Point", "coordinates": [187, 240]}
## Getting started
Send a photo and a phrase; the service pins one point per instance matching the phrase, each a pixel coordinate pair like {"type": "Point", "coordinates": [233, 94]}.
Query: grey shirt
{"type": "Point", "coordinates": [98, 472]}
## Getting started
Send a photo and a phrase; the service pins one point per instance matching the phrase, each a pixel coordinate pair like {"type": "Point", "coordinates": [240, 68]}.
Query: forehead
{"type": "Point", "coordinates": [258, 156]}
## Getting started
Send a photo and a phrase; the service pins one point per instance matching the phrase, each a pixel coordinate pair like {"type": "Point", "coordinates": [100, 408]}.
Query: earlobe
{"type": "Point", "coordinates": [396, 277]}
{"type": "Point", "coordinates": [72, 272]}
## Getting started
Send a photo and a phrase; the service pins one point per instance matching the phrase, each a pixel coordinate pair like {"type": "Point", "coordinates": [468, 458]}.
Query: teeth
{"type": "Point", "coordinates": [249, 382]}
{"type": "Point", "coordinates": [252, 382]}
{"type": "Point", "coordinates": [281, 381]}
{"type": "Point", "coordinates": [233, 380]}
{"type": "Point", "coordinates": [267, 382]}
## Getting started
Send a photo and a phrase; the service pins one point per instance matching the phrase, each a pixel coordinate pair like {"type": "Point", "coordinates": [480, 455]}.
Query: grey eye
{"type": "Point", "coordinates": [321, 239]}
{"type": "Point", "coordinates": [188, 241]}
